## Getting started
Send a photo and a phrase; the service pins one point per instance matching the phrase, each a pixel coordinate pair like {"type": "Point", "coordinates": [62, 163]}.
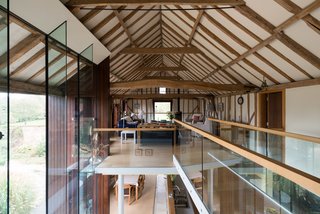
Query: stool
{"type": "Point", "coordinates": [124, 135]}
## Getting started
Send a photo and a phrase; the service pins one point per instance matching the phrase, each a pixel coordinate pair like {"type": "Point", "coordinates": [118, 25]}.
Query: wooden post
{"type": "Point", "coordinates": [248, 108]}
{"type": "Point", "coordinates": [104, 120]}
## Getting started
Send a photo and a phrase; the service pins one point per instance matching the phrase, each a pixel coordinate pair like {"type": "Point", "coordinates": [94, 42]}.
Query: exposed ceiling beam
{"type": "Point", "coordinates": [21, 48]}
{"type": "Point", "coordinates": [22, 87]}
{"type": "Point", "coordinates": [194, 29]}
{"type": "Point", "coordinates": [27, 63]}
{"type": "Point", "coordinates": [124, 27]}
{"type": "Point", "coordinates": [159, 96]}
{"type": "Point", "coordinates": [82, 3]}
{"type": "Point", "coordinates": [116, 76]}
{"type": "Point", "coordinates": [290, 6]}
{"type": "Point", "coordinates": [302, 83]}
{"type": "Point", "coordinates": [267, 26]}
{"type": "Point", "coordinates": [163, 77]}
{"type": "Point", "coordinates": [151, 83]}
{"type": "Point", "coordinates": [180, 50]}
{"type": "Point", "coordinates": [90, 15]}
{"type": "Point", "coordinates": [162, 69]}
{"type": "Point", "coordinates": [276, 33]}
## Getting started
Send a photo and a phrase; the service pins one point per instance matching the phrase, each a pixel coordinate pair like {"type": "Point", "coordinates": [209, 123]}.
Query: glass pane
{"type": "Point", "coordinates": [230, 183]}
{"type": "Point", "coordinates": [300, 154]}
{"type": "Point", "coordinates": [27, 121]}
{"type": "Point", "coordinates": [3, 111]}
{"type": "Point", "coordinates": [72, 132]}
{"type": "Point", "coordinates": [60, 34]}
{"type": "Point", "coordinates": [57, 110]}
{"type": "Point", "coordinates": [88, 53]}
{"type": "Point", "coordinates": [89, 157]}
{"type": "Point", "coordinates": [4, 3]}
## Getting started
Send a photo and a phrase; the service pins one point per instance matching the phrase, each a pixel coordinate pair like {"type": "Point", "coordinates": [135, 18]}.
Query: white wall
{"type": "Point", "coordinates": [49, 14]}
{"type": "Point", "coordinates": [303, 110]}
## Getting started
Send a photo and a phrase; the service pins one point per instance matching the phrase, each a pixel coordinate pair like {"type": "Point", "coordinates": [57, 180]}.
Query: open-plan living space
{"type": "Point", "coordinates": [159, 106]}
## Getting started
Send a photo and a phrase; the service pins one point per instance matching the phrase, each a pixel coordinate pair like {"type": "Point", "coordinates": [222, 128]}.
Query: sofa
{"type": "Point", "coordinates": [195, 118]}
{"type": "Point", "coordinates": [123, 123]}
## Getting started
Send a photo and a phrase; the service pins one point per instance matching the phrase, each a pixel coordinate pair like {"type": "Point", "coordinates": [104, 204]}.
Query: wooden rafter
{"type": "Point", "coordinates": [124, 27]}
{"type": "Point", "coordinates": [28, 62]}
{"type": "Point", "coordinates": [276, 34]}
{"type": "Point", "coordinates": [101, 24]}
{"type": "Point", "coordinates": [161, 68]}
{"type": "Point", "coordinates": [61, 70]}
{"type": "Point", "coordinates": [22, 87]}
{"type": "Point", "coordinates": [290, 6]}
{"type": "Point", "coordinates": [193, 31]}
{"type": "Point", "coordinates": [21, 48]}
{"type": "Point", "coordinates": [41, 71]}
{"type": "Point", "coordinates": [296, 47]}
{"type": "Point", "coordinates": [91, 14]}
{"type": "Point", "coordinates": [175, 78]}
{"type": "Point", "coordinates": [257, 38]}
{"type": "Point", "coordinates": [167, 96]}
{"type": "Point", "coordinates": [207, 31]}
{"type": "Point", "coordinates": [160, 50]}
{"type": "Point", "coordinates": [82, 3]}
{"type": "Point", "coordinates": [151, 83]}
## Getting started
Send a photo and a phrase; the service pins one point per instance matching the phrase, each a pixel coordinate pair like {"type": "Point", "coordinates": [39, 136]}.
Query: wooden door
{"type": "Point", "coordinates": [271, 110]}
{"type": "Point", "coordinates": [275, 111]}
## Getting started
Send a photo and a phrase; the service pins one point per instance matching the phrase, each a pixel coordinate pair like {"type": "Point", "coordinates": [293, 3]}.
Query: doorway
{"type": "Point", "coordinates": [271, 108]}
{"type": "Point", "coordinates": [161, 109]}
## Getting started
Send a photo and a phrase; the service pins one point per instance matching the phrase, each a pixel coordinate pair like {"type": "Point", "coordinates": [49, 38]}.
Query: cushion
{"type": "Point", "coordinates": [196, 118]}
{"type": "Point", "coordinates": [128, 119]}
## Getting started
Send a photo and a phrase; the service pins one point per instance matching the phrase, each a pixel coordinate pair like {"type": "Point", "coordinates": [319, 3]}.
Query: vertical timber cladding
{"type": "Point", "coordinates": [104, 120]}
{"type": "Point", "coordinates": [233, 111]}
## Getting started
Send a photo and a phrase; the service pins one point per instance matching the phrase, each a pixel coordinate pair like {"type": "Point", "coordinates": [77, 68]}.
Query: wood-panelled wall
{"type": "Point", "coordinates": [57, 154]}
{"type": "Point", "coordinates": [187, 106]}
{"type": "Point", "coordinates": [228, 108]}
{"type": "Point", "coordinates": [104, 119]}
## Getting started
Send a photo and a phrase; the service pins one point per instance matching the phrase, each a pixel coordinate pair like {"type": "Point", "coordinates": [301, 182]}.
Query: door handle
{"type": "Point", "coordinates": [1, 135]}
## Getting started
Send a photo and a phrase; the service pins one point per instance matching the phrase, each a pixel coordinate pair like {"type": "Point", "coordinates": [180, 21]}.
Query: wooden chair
{"type": "Point", "coordinates": [140, 186]}
{"type": "Point", "coordinates": [128, 191]}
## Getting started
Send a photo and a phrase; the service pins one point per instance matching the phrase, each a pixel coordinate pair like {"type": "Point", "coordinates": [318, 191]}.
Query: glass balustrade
{"type": "Point", "coordinates": [227, 182]}
{"type": "Point", "coordinates": [300, 154]}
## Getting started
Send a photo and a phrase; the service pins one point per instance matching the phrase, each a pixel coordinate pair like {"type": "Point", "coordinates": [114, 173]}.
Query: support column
{"type": "Point", "coordinates": [103, 112]}
{"type": "Point", "coordinates": [120, 195]}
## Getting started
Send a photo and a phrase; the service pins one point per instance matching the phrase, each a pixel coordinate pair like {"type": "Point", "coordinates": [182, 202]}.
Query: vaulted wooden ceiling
{"type": "Point", "coordinates": [275, 40]}
{"type": "Point", "coordinates": [272, 40]}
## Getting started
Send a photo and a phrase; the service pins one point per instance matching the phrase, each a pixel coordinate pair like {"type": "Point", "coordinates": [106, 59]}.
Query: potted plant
{"type": "Point", "coordinates": [170, 115]}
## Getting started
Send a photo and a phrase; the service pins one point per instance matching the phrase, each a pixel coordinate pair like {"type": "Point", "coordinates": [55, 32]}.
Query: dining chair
{"type": "Point", "coordinates": [128, 191]}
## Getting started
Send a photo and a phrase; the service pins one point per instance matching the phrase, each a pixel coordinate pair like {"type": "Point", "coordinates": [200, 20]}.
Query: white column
{"type": "Point", "coordinates": [120, 195]}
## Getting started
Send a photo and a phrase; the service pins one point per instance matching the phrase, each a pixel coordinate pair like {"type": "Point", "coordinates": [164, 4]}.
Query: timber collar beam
{"type": "Point", "coordinates": [205, 86]}
{"type": "Point", "coordinates": [162, 68]}
{"type": "Point", "coordinates": [180, 50]}
{"type": "Point", "coordinates": [82, 3]}
{"type": "Point", "coordinates": [161, 96]}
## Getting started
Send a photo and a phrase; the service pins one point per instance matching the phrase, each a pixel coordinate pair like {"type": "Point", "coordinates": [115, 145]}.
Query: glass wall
{"type": "Point", "coordinates": [44, 121]}
{"type": "Point", "coordinates": [72, 85]}
{"type": "Point", "coordinates": [3, 107]}
{"type": "Point", "coordinates": [27, 114]}
{"type": "Point", "coordinates": [56, 144]}
{"type": "Point", "coordinates": [88, 157]}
